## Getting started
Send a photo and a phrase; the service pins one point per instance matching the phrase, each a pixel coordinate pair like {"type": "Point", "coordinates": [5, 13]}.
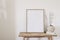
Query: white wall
{"type": "Point", "coordinates": [49, 6]}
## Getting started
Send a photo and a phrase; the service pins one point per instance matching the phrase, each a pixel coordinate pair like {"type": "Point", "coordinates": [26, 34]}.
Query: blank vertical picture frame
{"type": "Point", "coordinates": [34, 20]}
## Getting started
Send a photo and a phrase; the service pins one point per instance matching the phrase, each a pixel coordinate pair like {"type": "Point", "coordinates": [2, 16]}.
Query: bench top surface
{"type": "Point", "coordinates": [34, 34]}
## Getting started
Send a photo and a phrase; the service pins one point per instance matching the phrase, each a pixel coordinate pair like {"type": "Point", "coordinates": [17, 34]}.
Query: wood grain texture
{"type": "Point", "coordinates": [34, 34]}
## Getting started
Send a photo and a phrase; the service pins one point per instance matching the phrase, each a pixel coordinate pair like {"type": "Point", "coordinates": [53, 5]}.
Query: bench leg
{"type": "Point", "coordinates": [27, 38]}
{"type": "Point", "coordinates": [24, 38]}
{"type": "Point", "coordinates": [50, 38]}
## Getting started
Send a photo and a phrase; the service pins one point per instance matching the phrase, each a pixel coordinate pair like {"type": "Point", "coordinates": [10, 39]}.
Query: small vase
{"type": "Point", "coordinates": [50, 30]}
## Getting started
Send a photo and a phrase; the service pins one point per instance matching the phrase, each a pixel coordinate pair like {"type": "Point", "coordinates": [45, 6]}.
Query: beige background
{"type": "Point", "coordinates": [16, 10]}
{"type": "Point", "coordinates": [7, 28]}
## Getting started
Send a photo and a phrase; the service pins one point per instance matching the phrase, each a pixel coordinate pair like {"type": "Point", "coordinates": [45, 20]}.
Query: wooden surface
{"type": "Point", "coordinates": [34, 34]}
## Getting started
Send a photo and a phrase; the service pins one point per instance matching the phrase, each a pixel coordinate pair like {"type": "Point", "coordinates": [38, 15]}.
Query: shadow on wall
{"type": "Point", "coordinates": [3, 26]}
{"type": "Point", "coordinates": [45, 22]}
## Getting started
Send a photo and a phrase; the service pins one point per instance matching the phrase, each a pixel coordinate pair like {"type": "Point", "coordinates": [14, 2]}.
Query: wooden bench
{"type": "Point", "coordinates": [35, 35]}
